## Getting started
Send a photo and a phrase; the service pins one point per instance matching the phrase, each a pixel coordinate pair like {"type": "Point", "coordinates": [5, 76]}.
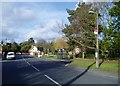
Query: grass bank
{"type": "Point", "coordinates": [111, 66]}
{"type": "Point", "coordinates": [50, 56]}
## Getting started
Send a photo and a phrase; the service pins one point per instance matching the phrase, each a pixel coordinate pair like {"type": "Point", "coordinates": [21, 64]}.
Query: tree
{"type": "Point", "coordinates": [114, 25]}
{"type": "Point", "coordinates": [115, 14]}
{"type": "Point", "coordinates": [51, 47]}
{"type": "Point", "coordinates": [80, 30]}
{"type": "Point", "coordinates": [60, 43]}
{"type": "Point", "coordinates": [41, 43]}
{"type": "Point", "coordinates": [48, 46]}
{"type": "Point", "coordinates": [31, 41]}
{"type": "Point", "coordinates": [25, 46]}
{"type": "Point", "coordinates": [110, 42]}
{"type": "Point", "coordinates": [15, 47]}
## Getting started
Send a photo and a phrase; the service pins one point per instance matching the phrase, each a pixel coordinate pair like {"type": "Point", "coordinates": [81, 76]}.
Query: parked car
{"type": "Point", "coordinates": [10, 55]}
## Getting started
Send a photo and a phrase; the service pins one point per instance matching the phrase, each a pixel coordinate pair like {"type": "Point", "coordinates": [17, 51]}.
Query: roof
{"type": "Point", "coordinates": [35, 49]}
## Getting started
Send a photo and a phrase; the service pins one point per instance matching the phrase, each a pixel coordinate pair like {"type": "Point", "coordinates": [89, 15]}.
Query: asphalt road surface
{"type": "Point", "coordinates": [28, 70]}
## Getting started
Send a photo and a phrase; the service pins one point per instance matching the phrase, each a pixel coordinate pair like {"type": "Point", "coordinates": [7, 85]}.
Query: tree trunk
{"type": "Point", "coordinates": [83, 55]}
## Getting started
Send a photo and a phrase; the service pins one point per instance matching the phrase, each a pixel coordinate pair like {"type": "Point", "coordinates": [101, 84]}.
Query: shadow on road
{"type": "Point", "coordinates": [101, 62]}
{"type": "Point", "coordinates": [23, 56]}
{"type": "Point", "coordinates": [78, 76]}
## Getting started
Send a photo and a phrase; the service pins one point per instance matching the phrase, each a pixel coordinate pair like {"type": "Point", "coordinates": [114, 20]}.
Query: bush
{"type": "Point", "coordinates": [91, 56]}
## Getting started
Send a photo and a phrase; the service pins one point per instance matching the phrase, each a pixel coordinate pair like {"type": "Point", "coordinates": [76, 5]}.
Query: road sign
{"type": "Point", "coordinates": [95, 31]}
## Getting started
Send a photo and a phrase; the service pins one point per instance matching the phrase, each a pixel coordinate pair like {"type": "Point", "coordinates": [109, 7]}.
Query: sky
{"type": "Point", "coordinates": [40, 20]}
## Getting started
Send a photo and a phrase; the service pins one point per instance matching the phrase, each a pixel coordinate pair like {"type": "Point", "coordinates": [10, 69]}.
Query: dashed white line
{"type": "Point", "coordinates": [44, 74]}
{"type": "Point", "coordinates": [28, 63]}
{"type": "Point", "coordinates": [52, 80]}
{"type": "Point", "coordinates": [66, 64]}
{"type": "Point", "coordinates": [35, 68]}
{"type": "Point", "coordinates": [31, 65]}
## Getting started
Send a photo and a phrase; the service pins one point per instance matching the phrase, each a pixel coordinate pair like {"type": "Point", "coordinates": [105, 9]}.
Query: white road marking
{"type": "Point", "coordinates": [31, 65]}
{"type": "Point", "coordinates": [52, 80]}
{"type": "Point", "coordinates": [28, 63]}
{"type": "Point", "coordinates": [66, 64]}
{"type": "Point", "coordinates": [44, 74]}
{"type": "Point", "coordinates": [35, 68]}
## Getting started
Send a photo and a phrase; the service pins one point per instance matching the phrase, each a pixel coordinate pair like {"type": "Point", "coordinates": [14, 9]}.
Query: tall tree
{"type": "Point", "coordinates": [110, 27]}
{"type": "Point", "coordinates": [115, 13]}
{"type": "Point", "coordinates": [81, 27]}
{"type": "Point", "coordinates": [115, 26]}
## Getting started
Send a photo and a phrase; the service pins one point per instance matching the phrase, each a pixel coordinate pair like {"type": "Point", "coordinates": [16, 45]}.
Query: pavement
{"type": "Point", "coordinates": [28, 70]}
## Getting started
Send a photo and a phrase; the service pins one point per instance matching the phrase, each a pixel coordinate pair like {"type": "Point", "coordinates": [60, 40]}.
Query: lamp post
{"type": "Point", "coordinates": [97, 45]}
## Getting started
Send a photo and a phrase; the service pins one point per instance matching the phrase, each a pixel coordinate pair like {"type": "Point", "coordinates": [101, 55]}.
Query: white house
{"type": "Point", "coordinates": [35, 51]}
{"type": "Point", "coordinates": [77, 50]}
{"type": "Point", "coordinates": [0, 49]}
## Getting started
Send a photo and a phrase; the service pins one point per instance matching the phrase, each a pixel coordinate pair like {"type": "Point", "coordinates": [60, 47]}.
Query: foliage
{"type": "Point", "coordinates": [115, 13]}
{"type": "Point", "coordinates": [15, 47]}
{"type": "Point", "coordinates": [25, 46]}
{"type": "Point", "coordinates": [48, 46]}
{"type": "Point", "coordinates": [115, 26]}
{"type": "Point", "coordinates": [60, 43]}
{"type": "Point", "coordinates": [80, 30]}
{"type": "Point", "coordinates": [11, 47]}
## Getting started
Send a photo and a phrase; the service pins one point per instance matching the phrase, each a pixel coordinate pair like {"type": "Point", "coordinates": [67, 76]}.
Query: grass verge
{"type": "Point", "coordinates": [50, 57]}
{"type": "Point", "coordinates": [105, 66]}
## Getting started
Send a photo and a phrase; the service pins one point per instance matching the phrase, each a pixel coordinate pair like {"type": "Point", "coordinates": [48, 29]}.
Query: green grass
{"type": "Point", "coordinates": [50, 56]}
{"type": "Point", "coordinates": [105, 66]}
{"type": "Point", "coordinates": [109, 67]}
{"type": "Point", "coordinates": [53, 56]}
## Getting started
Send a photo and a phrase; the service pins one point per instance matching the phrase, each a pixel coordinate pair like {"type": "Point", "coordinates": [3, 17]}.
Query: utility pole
{"type": "Point", "coordinates": [97, 44]}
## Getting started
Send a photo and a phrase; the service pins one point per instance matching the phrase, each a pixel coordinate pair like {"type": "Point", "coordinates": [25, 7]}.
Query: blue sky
{"type": "Point", "coordinates": [22, 20]}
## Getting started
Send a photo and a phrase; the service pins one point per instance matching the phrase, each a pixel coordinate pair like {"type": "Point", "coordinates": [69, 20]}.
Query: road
{"type": "Point", "coordinates": [28, 70]}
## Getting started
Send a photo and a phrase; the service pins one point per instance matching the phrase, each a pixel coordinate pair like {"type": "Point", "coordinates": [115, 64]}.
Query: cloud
{"type": "Point", "coordinates": [23, 14]}
{"type": "Point", "coordinates": [21, 21]}
{"type": "Point", "coordinates": [48, 32]}
{"type": "Point", "coordinates": [9, 33]}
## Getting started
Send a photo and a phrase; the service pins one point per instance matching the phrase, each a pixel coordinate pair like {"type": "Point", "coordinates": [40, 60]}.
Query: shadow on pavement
{"type": "Point", "coordinates": [78, 76]}
{"type": "Point", "coordinates": [23, 56]}
{"type": "Point", "coordinates": [101, 62]}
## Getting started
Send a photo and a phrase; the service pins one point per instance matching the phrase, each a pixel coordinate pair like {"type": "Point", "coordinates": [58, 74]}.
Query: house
{"type": "Point", "coordinates": [0, 49]}
{"type": "Point", "coordinates": [77, 50]}
{"type": "Point", "coordinates": [36, 51]}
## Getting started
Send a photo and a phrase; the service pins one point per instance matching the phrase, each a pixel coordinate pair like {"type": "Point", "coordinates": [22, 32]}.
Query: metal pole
{"type": "Point", "coordinates": [97, 46]}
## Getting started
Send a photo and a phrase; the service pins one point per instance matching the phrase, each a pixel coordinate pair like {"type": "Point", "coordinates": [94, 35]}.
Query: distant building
{"type": "Point", "coordinates": [36, 51]}
{"type": "Point", "coordinates": [0, 49]}
{"type": "Point", "coordinates": [77, 50]}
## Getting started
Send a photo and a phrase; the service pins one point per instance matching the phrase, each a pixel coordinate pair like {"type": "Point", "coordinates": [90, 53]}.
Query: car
{"type": "Point", "coordinates": [10, 55]}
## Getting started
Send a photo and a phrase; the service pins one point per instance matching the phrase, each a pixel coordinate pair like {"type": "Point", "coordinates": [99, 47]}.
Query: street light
{"type": "Point", "coordinates": [97, 45]}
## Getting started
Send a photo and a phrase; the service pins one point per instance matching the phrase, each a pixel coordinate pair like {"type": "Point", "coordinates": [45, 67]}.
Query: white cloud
{"type": "Point", "coordinates": [21, 22]}
{"type": "Point", "coordinates": [49, 31]}
{"type": "Point", "coordinates": [23, 14]}
{"type": "Point", "coordinates": [9, 33]}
